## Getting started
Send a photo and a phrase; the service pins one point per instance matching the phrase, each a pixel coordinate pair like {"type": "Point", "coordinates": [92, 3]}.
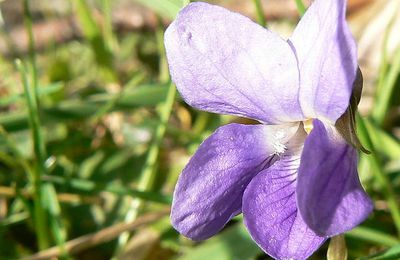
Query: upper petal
{"type": "Point", "coordinates": [209, 190]}
{"type": "Point", "coordinates": [327, 59]}
{"type": "Point", "coordinates": [271, 215]}
{"type": "Point", "coordinates": [330, 197]}
{"type": "Point", "coordinates": [223, 62]}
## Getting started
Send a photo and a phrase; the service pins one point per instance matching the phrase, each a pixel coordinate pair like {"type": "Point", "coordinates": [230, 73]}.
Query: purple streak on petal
{"type": "Point", "coordinates": [223, 62]}
{"type": "Point", "coordinates": [327, 59]}
{"type": "Point", "coordinates": [330, 197]}
{"type": "Point", "coordinates": [271, 215]}
{"type": "Point", "coordinates": [209, 190]}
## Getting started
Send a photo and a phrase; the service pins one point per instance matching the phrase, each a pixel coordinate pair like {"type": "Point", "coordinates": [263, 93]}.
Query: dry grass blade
{"type": "Point", "coordinates": [90, 240]}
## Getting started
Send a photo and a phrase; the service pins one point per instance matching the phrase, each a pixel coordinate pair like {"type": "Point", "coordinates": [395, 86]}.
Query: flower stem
{"type": "Point", "coordinates": [337, 249]}
{"type": "Point", "coordinates": [380, 176]}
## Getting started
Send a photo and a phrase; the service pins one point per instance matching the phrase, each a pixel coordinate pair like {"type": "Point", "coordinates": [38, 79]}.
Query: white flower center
{"type": "Point", "coordinates": [279, 147]}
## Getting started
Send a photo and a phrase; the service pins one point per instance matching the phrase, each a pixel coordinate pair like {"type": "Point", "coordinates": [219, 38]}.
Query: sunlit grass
{"type": "Point", "coordinates": [93, 136]}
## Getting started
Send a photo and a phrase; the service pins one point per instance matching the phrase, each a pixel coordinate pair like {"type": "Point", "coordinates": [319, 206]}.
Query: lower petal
{"type": "Point", "coordinates": [330, 197]}
{"type": "Point", "coordinates": [271, 215]}
{"type": "Point", "coordinates": [210, 189]}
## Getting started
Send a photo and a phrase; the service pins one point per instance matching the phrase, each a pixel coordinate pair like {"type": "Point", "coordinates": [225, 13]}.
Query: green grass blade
{"type": "Point", "coordinates": [93, 35]}
{"type": "Point", "coordinates": [109, 37]}
{"type": "Point", "coordinates": [42, 91]}
{"type": "Point", "coordinates": [165, 8]}
{"type": "Point", "coordinates": [40, 154]}
{"type": "Point", "coordinates": [379, 173]}
{"type": "Point", "coordinates": [382, 102]}
{"type": "Point", "coordinates": [390, 254]}
{"type": "Point", "coordinates": [32, 100]}
{"type": "Point", "coordinates": [234, 243]}
{"type": "Point", "coordinates": [385, 77]}
{"type": "Point", "coordinates": [148, 174]}
{"type": "Point", "coordinates": [32, 53]}
{"type": "Point", "coordinates": [384, 143]}
{"type": "Point", "coordinates": [301, 8]}
{"type": "Point", "coordinates": [152, 155]}
{"type": "Point", "coordinates": [142, 96]}
{"type": "Point", "coordinates": [56, 223]}
{"type": "Point", "coordinates": [14, 219]}
{"type": "Point", "coordinates": [80, 185]}
{"type": "Point", "coordinates": [260, 13]}
{"type": "Point", "coordinates": [116, 99]}
{"type": "Point", "coordinates": [373, 236]}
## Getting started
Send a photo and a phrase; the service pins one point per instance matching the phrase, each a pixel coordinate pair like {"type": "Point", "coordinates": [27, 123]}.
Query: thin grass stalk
{"type": "Point", "coordinates": [43, 201]}
{"type": "Point", "coordinates": [379, 173]}
{"type": "Point", "coordinates": [163, 64]}
{"type": "Point", "coordinates": [96, 39]}
{"type": "Point", "coordinates": [382, 102]}
{"type": "Point", "coordinates": [70, 198]}
{"type": "Point", "coordinates": [149, 173]}
{"type": "Point", "coordinates": [260, 13]}
{"type": "Point", "coordinates": [17, 156]}
{"type": "Point", "coordinates": [31, 91]}
{"type": "Point", "coordinates": [384, 64]}
{"type": "Point", "coordinates": [14, 219]}
{"type": "Point", "coordinates": [372, 236]}
{"type": "Point", "coordinates": [32, 53]}
{"type": "Point", "coordinates": [40, 216]}
{"type": "Point", "coordinates": [301, 8]}
{"type": "Point", "coordinates": [110, 39]}
{"type": "Point", "coordinates": [387, 78]}
{"type": "Point", "coordinates": [91, 186]}
{"type": "Point", "coordinates": [85, 242]}
{"type": "Point", "coordinates": [56, 222]}
{"type": "Point", "coordinates": [112, 102]}
{"type": "Point", "coordinates": [382, 96]}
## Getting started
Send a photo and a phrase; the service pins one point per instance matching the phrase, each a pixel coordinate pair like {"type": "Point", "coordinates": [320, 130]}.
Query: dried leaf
{"type": "Point", "coordinates": [346, 124]}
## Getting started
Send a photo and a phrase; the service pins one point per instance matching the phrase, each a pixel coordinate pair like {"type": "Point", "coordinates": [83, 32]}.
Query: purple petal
{"type": "Point", "coordinates": [223, 62]}
{"type": "Point", "coordinates": [330, 197]}
{"type": "Point", "coordinates": [271, 215]}
{"type": "Point", "coordinates": [327, 58]}
{"type": "Point", "coordinates": [209, 190]}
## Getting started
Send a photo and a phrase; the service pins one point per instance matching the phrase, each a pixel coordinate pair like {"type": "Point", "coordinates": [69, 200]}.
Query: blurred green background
{"type": "Point", "coordinates": [93, 134]}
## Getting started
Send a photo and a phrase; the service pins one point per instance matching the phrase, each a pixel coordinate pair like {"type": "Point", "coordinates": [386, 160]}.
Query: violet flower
{"type": "Point", "coordinates": [295, 188]}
